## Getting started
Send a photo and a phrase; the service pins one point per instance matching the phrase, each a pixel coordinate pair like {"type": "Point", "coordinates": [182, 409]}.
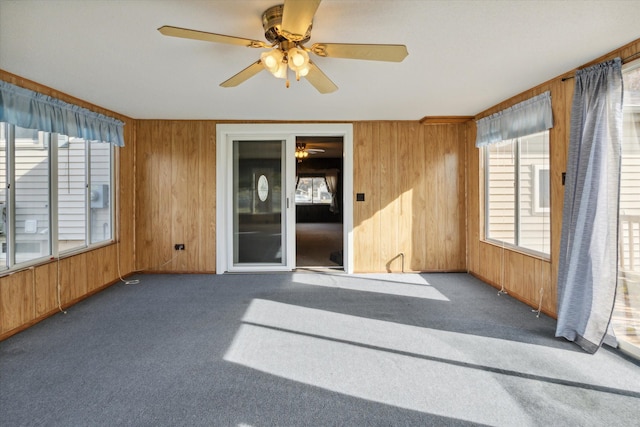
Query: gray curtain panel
{"type": "Point", "coordinates": [588, 261]}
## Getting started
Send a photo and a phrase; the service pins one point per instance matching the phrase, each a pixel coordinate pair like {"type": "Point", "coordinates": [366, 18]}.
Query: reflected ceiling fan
{"type": "Point", "coordinates": [287, 27]}
{"type": "Point", "coordinates": [302, 152]}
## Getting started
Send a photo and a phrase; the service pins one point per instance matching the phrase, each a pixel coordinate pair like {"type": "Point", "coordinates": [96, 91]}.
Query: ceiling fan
{"type": "Point", "coordinates": [287, 27]}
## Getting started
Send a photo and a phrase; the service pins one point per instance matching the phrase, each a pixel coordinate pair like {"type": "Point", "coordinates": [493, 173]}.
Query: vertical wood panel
{"type": "Point", "coordinates": [102, 267]}
{"type": "Point", "coordinates": [17, 299]}
{"type": "Point", "coordinates": [73, 277]}
{"type": "Point", "coordinates": [558, 150]}
{"type": "Point", "coordinates": [125, 203]}
{"type": "Point", "coordinates": [373, 193]}
{"type": "Point", "coordinates": [492, 264]}
{"type": "Point", "coordinates": [163, 166]}
{"type": "Point", "coordinates": [142, 193]}
{"type": "Point", "coordinates": [527, 278]}
{"type": "Point", "coordinates": [182, 161]}
{"type": "Point", "coordinates": [46, 289]}
{"type": "Point", "coordinates": [473, 200]}
{"type": "Point", "coordinates": [411, 169]}
{"type": "Point", "coordinates": [462, 191]}
{"type": "Point", "coordinates": [546, 277]}
{"type": "Point", "coordinates": [442, 184]}
{"type": "Point", "coordinates": [389, 202]}
{"type": "Point", "coordinates": [544, 286]}
{"type": "Point", "coordinates": [366, 234]}
{"type": "Point", "coordinates": [429, 203]}
{"type": "Point", "coordinates": [452, 197]}
{"type": "Point", "coordinates": [207, 194]}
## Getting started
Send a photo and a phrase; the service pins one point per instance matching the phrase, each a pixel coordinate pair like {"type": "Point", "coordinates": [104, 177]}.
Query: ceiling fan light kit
{"type": "Point", "coordinates": [302, 152]}
{"type": "Point", "coordinates": [287, 27]}
{"type": "Point", "coordinates": [272, 60]}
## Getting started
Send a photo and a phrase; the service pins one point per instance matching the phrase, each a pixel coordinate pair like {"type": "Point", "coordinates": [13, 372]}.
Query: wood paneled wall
{"type": "Point", "coordinates": [528, 278]}
{"type": "Point", "coordinates": [413, 180]}
{"type": "Point", "coordinates": [30, 295]}
{"type": "Point", "coordinates": [176, 195]}
{"type": "Point", "coordinates": [412, 176]}
{"type": "Point", "coordinates": [423, 199]}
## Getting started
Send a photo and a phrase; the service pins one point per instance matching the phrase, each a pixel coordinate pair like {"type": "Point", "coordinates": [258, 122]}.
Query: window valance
{"type": "Point", "coordinates": [525, 118]}
{"type": "Point", "coordinates": [32, 110]}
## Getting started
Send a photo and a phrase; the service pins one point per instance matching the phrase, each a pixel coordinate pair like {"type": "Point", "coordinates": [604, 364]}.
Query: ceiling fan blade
{"type": "Point", "coordinates": [371, 52]}
{"type": "Point", "coordinates": [244, 75]}
{"type": "Point", "coordinates": [186, 33]}
{"type": "Point", "coordinates": [319, 80]}
{"type": "Point", "coordinates": [296, 18]}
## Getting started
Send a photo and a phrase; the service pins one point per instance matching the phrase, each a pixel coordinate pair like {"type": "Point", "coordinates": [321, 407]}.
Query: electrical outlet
{"type": "Point", "coordinates": [179, 247]}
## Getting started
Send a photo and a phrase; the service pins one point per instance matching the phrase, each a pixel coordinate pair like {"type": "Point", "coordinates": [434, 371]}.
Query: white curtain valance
{"type": "Point", "coordinates": [525, 118]}
{"type": "Point", "coordinates": [32, 110]}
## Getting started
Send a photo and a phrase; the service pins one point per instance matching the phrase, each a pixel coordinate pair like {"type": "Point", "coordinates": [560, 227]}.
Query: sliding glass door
{"type": "Point", "coordinates": [259, 205]}
{"type": "Point", "coordinates": [255, 193]}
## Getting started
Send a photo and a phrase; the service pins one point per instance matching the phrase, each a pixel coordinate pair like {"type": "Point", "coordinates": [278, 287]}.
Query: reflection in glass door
{"type": "Point", "coordinates": [259, 208]}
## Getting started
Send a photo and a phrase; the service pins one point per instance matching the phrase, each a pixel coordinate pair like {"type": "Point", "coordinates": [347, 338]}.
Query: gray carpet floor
{"type": "Point", "coordinates": [308, 349]}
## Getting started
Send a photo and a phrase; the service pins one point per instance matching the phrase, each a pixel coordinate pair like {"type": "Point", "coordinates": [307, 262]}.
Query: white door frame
{"type": "Point", "coordinates": [225, 134]}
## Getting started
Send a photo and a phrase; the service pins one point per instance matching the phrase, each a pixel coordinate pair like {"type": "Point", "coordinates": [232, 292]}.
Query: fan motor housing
{"type": "Point", "coordinates": [272, 24]}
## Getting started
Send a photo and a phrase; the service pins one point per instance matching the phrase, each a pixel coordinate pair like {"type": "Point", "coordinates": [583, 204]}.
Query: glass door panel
{"type": "Point", "coordinates": [259, 209]}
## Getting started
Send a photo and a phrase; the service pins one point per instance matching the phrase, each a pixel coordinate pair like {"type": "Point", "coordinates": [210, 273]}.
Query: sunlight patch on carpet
{"type": "Point", "coordinates": [412, 367]}
{"type": "Point", "coordinates": [384, 377]}
{"type": "Point", "coordinates": [408, 285]}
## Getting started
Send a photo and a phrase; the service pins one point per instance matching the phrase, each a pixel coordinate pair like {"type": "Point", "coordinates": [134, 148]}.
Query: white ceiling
{"type": "Point", "coordinates": [464, 56]}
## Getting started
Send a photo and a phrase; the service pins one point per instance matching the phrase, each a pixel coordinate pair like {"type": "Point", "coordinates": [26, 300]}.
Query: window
{"type": "Point", "coordinates": [517, 198]}
{"type": "Point", "coordinates": [626, 315]}
{"type": "Point", "coordinates": [54, 194]}
{"type": "Point", "coordinates": [629, 229]}
{"type": "Point", "coordinates": [72, 193]}
{"type": "Point", "coordinates": [30, 191]}
{"type": "Point", "coordinates": [100, 213]}
{"type": "Point", "coordinates": [313, 190]}
{"type": "Point", "coordinates": [4, 261]}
